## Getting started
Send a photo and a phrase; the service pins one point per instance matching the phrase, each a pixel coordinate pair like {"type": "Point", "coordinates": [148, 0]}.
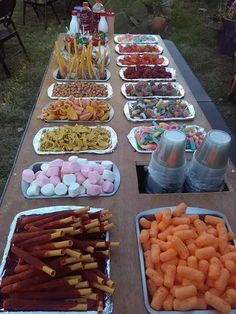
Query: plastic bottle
{"type": "Point", "coordinates": [86, 18]}
{"type": "Point", "coordinates": [78, 9]}
{"type": "Point", "coordinates": [74, 25]}
{"type": "Point", "coordinates": [102, 25]}
{"type": "Point", "coordinates": [97, 9]}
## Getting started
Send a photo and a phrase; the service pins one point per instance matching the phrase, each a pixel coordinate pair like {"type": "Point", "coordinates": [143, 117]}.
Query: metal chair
{"type": "Point", "coordinates": [7, 29]}
{"type": "Point", "coordinates": [40, 4]}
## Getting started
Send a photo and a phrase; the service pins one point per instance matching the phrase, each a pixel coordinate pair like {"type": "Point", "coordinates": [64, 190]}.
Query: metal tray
{"type": "Point", "coordinates": [175, 84]}
{"type": "Point", "coordinates": [111, 115]}
{"type": "Point", "coordinates": [150, 213]}
{"type": "Point", "coordinates": [160, 48]}
{"type": "Point", "coordinates": [37, 137]}
{"type": "Point", "coordinates": [130, 118]}
{"type": "Point", "coordinates": [119, 58]}
{"type": "Point", "coordinates": [171, 70]}
{"type": "Point", "coordinates": [107, 85]}
{"type": "Point", "coordinates": [36, 166]}
{"type": "Point", "coordinates": [56, 72]}
{"type": "Point", "coordinates": [132, 140]}
{"type": "Point", "coordinates": [118, 41]}
{"type": "Point", "coordinates": [108, 308]}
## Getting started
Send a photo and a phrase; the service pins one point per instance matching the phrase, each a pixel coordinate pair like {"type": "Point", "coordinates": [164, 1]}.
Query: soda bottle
{"type": "Point", "coordinates": [74, 25]}
{"type": "Point", "coordinates": [97, 9]}
{"type": "Point", "coordinates": [85, 17]}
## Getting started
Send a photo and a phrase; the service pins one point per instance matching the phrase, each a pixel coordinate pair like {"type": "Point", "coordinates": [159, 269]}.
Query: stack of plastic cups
{"type": "Point", "coordinates": [166, 170]}
{"type": "Point", "coordinates": [207, 169]}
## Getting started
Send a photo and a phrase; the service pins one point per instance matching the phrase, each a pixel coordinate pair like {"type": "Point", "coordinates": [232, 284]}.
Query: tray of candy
{"type": "Point", "coordinates": [135, 38]}
{"type": "Point", "coordinates": [138, 49]}
{"type": "Point", "coordinates": [142, 59]}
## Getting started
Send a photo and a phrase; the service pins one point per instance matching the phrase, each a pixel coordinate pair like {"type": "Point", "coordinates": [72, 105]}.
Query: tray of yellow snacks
{"type": "Point", "coordinates": [72, 110]}
{"type": "Point", "coordinates": [58, 259]}
{"type": "Point", "coordinates": [75, 139]}
{"type": "Point", "coordinates": [187, 258]}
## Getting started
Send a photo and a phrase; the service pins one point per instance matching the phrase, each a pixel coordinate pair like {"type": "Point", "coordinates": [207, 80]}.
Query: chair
{"type": "Point", "coordinates": [8, 30]}
{"type": "Point", "coordinates": [40, 4]}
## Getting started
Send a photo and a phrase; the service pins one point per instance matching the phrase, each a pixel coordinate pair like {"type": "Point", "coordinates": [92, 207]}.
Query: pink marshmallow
{"type": "Point", "coordinates": [40, 172]}
{"type": "Point", "coordinates": [74, 166]}
{"type": "Point", "coordinates": [53, 171]}
{"type": "Point", "coordinates": [56, 163]}
{"type": "Point", "coordinates": [94, 177]}
{"type": "Point", "coordinates": [85, 170]}
{"type": "Point", "coordinates": [66, 167]}
{"type": "Point", "coordinates": [55, 180]}
{"type": "Point", "coordinates": [94, 190]}
{"type": "Point", "coordinates": [107, 187]}
{"type": "Point", "coordinates": [42, 180]}
{"type": "Point", "coordinates": [99, 168]}
{"type": "Point", "coordinates": [79, 177]}
{"type": "Point", "coordinates": [28, 175]}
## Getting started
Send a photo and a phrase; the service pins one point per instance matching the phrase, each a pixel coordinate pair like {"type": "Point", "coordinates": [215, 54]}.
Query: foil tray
{"type": "Point", "coordinates": [118, 41]}
{"type": "Point", "coordinates": [119, 58]}
{"type": "Point", "coordinates": [160, 48]}
{"type": "Point", "coordinates": [149, 214]}
{"type": "Point", "coordinates": [36, 166]}
{"type": "Point", "coordinates": [39, 134]}
{"type": "Point", "coordinates": [137, 119]}
{"type": "Point", "coordinates": [56, 73]}
{"type": "Point", "coordinates": [107, 85]}
{"type": "Point", "coordinates": [43, 210]}
{"type": "Point", "coordinates": [132, 140]}
{"type": "Point", "coordinates": [175, 84]}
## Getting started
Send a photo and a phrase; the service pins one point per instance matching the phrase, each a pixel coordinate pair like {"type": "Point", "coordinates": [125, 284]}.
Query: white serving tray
{"type": "Point", "coordinates": [119, 58]}
{"type": "Point", "coordinates": [160, 48]}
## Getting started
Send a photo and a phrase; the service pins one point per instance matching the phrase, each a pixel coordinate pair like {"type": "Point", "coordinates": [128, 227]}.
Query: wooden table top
{"type": "Point", "coordinates": [127, 202]}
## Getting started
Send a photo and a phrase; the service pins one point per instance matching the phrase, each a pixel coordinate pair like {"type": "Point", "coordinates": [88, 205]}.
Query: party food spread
{"type": "Point", "coordinates": [73, 109]}
{"type": "Point", "coordinates": [187, 259]}
{"type": "Point", "coordinates": [58, 261]}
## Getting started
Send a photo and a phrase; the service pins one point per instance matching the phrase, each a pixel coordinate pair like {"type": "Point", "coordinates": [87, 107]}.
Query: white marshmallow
{"type": "Point", "coordinates": [107, 164]}
{"type": "Point", "coordinates": [108, 175]}
{"type": "Point", "coordinates": [82, 190]}
{"type": "Point", "coordinates": [33, 190]}
{"type": "Point", "coordinates": [73, 158]}
{"type": "Point", "coordinates": [92, 164]}
{"type": "Point", "coordinates": [56, 163]}
{"type": "Point", "coordinates": [74, 189]}
{"type": "Point", "coordinates": [44, 166]}
{"type": "Point", "coordinates": [61, 189]}
{"type": "Point", "coordinates": [82, 160]}
{"type": "Point", "coordinates": [86, 184]}
{"type": "Point", "coordinates": [68, 179]}
{"type": "Point", "coordinates": [48, 189]}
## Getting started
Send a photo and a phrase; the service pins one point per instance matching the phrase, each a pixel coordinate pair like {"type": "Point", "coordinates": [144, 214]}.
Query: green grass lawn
{"type": "Point", "coordinates": [188, 28]}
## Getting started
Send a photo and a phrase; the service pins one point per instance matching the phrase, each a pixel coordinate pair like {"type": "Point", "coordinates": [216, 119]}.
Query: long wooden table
{"type": "Point", "coordinates": [127, 202]}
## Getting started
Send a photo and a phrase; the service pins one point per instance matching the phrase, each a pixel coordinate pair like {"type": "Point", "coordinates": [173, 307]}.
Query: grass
{"type": "Point", "coordinates": [188, 28]}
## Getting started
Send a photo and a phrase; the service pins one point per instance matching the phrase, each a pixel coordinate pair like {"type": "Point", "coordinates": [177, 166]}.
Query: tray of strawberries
{"type": "Point", "coordinates": [138, 48]}
{"type": "Point", "coordinates": [142, 59]}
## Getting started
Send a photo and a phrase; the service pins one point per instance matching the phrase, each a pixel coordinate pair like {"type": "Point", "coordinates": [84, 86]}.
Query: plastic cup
{"type": "Point", "coordinates": [214, 150]}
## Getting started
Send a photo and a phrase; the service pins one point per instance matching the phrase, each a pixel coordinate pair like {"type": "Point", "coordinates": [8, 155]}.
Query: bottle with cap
{"type": "Point", "coordinates": [74, 25]}
{"type": "Point", "coordinates": [97, 8]}
{"type": "Point", "coordinates": [78, 9]}
{"type": "Point", "coordinates": [102, 25]}
{"type": "Point", "coordinates": [86, 17]}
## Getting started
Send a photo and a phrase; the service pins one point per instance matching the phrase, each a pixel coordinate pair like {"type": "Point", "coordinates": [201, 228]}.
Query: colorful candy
{"type": "Point", "coordinates": [147, 89]}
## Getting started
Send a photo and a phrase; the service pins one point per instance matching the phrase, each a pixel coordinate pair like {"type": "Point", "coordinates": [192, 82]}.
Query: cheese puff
{"type": "Point", "coordinates": [168, 255]}
{"type": "Point", "coordinates": [231, 266]}
{"type": "Point", "coordinates": [173, 261]}
{"type": "Point", "coordinates": [200, 226]}
{"type": "Point", "coordinates": [231, 236]}
{"type": "Point", "coordinates": [191, 248]}
{"type": "Point", "coordinates": [158, 216]}
{"type": "Point", "coordinates": [180, 221]}
{"type": "Point", "coordinates": [214, 270]}
{"type": "Point", "coordinates": [155, 253]}
{"type": "Point", "coordinates": [185, 305]}
{"type": "Point", "coordinates": [159, 297]}
{"type": "Point", "coordinates": [144, 235]}
{"type": "Point", "coordinates": [169, 276]}
{"type": "Point", "coordinates": [151, 287]}
{"type": "Point", "coordinates": [185, 292]}
{"type": "Point", "coordinates": [154, 229]}
{"type": "Point", "coordinates": [179, 210]}
{"type": "Point", "coordinates": [213, 220]}
{"type": "Point", "coordinates": [192, 217]}
{"type": "Point", "coordinates": [190, 273]}
{"type": "Point", "coordinates": [205, 253]}
{"type": "Point", "coordinates": [230, 296]}
{"type": "Point", "coordinates": [145, 223]}
{"type": "Point", "coordinates": [155, 276]}
{"type": "Point", "coordinates": [203, 266]}
{"type": "Point", "coordinates": [168, 303]}
{"type": "Point", "coordinates": [179, 247]}
{"type": "Point", "coordinates": [217, 303]}
{"type": "Point", "coordinates": [192, 262]}
{"type": "Point", "coordinates": [222, 281]}
{"type": "Point", "coordinates": [205, 239]}
{"type": "Point", "coordinates": [148, 260]}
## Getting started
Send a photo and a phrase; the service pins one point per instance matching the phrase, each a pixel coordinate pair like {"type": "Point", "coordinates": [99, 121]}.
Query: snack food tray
{"type": "Point", "coordinates": [132, 140]}
{"type": "Point", "coordinates": [116, 39]}
{"type": "Point", "coordinates": [107, 85]}
{"type": "Point", "coordinates": [160, 48]}
{"type": "Point", "coordinates": [55, 73]}
{"type": "Point", "coordinates": [190, 117]}
{"type": "Point", "coordinates": [171, 70]}
{"type": "Point", "coordinates": [111, 114]}
{"type": "Point", "coordinates": [150, 212]}
{"type": "Point", "coordinates": [42, 210]}
{"type": "Point", "coordinates": [164, 63]}
{"type": "Point", "coordinates": [38, 135]}
{"type": "Point", "coordinates": [176, 85]}
{"type": "Point", "coordinates": [36, 166]}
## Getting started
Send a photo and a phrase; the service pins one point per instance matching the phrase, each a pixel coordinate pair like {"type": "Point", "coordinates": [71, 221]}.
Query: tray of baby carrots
{"type": "Point", "coordinates": [188, 260]}
{"type": "Point", "coordinates": [58, 259]}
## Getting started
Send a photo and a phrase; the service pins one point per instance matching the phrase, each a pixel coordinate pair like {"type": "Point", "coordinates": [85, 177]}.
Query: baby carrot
{"type": "Point", "coordinates": [144, 235]}
{"type": "Point", "coordinates": [190, 273]}
{"type": "Point", "coordinates": [217, 303]}
{"type": "Point", "coordinates": [214, 270]}
{"type": "Point", "coordinates": [168, 255]}
{"type": "Point", "coordinates": [151, 287]}
{"type": "Point", "coordinates": [185, 234]}
{"type": "Point", "coordinates": [155, 276]}
{"type": "Point", "coordinates": [179, 210]}
{"type": "Point", "coordinates": [168, 303]}
{"type": "Point", "coordinates": [213, 220]}
{"type": "Point", "coordinates": [179, 246]}
{"type": "Point", "coordinates": [145, 223]}
{"type": "Point", "coordinates": [192, 262]}
{"type": "Point", "coordinates": [205, 253]}
{"type": "Point", "coordinates": [159, 297]}
{"type": "Point", "coordinates": [221, 282]}
{"type": "Point", "coordinates": [176, 221]}
{"type": "Point", "coordinates": [169, 276]}
{"type": "Point", "coordinates": [185, 292]}
{"type": "Point", "coordinates": [231, 266]}
{"type": "Point", "coordinates": [155, 253]}
{"type": "Point", "coordinates": [200, 226]}
{"type": "Point", "coordinates": [154, 229]}
{"type": "Point", "coordinates": [185, 305]}
{"type": "Point", "coordinates": [205, 239]}
{"type": "Point", "coordinates": [203, 266]}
